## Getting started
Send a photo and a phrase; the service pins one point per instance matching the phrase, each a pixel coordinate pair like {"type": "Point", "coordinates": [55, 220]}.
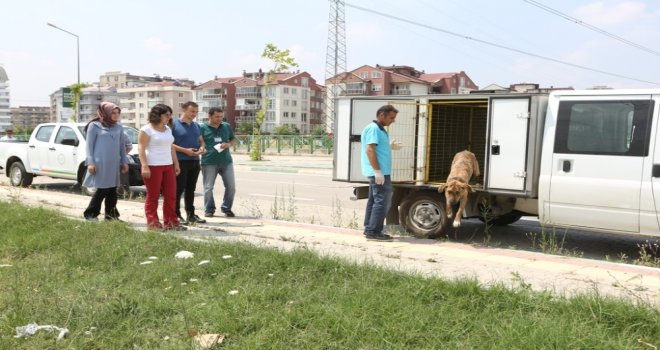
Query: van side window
{"type": "Point", "coordinates": [65, 132]}
{"type": "Point", "coordinates": [44, 133]}
{"type": "Point", "coordinates": [620, 128]}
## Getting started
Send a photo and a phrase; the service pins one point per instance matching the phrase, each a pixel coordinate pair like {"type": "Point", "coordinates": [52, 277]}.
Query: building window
{"type": "Point", "coordinates": [294, 103]}
{"type": "Point", "coordinates": [303, 117]}
{"type": "Point", "coordinates": [285, 90]}
{"type": "Point", "coordinates": [376, 75]}
{"type": "Point", "coordinates": [293, 115]}
{"type": "Point", "coordinates": [180, 94]}
{"type": "Point", "coordinates": [140, 94]}
{"type": "Point", "coordinates": [285, 114]}
{"type": "Point", "coordinates": [294, 91]}
{"type": "Point", "coordinates": [285, 103]}
{"type": "Point", "coordinates": [376, 87]}
{"type": "Point", "coordinates": [364, 75]}
{"type": "Point", "coordinates": [304, 82]}
{"type": "Point", "coordinates": [462, 82]}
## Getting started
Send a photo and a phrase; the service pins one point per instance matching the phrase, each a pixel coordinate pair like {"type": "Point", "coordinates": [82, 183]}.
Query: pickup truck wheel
{"type": "Point", "coordinates": [18, 176]}
{"type": "Point", "coordinates": [422, 214]}
{"type": "Point", "coordinates": [504, 219]}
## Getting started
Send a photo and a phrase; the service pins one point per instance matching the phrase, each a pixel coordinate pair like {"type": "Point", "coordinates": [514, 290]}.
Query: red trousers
{"type": "Point", "coordinates": [162, 180]}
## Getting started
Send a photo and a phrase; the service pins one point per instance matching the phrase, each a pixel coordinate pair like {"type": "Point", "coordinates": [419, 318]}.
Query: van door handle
{"type": "Point", "coordinates": [52, 149]}
{"type": "Point", "coordinates": [566, 166]}
{"type": "Point", "coordinates": [656, 170]}
{"type": "Point", "coordinates": [32, 146]}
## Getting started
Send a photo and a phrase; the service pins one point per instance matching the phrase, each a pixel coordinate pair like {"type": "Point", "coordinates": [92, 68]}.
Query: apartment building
{"type": "Point", "coordinates": [5, 113]}
{"type": "Point", "coordinates": [136, 101]}
{"type": "Point", "coordinates": [92, 97]}
{"type": "Point", "coordinates": [398, 80]}
{"type": "Point", "coordinates": [28, 117]}
{"type": "Point", "coordinates": [120, 80]}
{"type": "Point", "coordinates": [293, 99]}
{"type": "Point", "coordinates": [219, 93]}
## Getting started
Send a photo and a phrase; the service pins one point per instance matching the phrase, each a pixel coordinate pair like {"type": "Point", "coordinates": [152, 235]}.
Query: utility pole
{"type": "Point", "coordinates": [335, 60]}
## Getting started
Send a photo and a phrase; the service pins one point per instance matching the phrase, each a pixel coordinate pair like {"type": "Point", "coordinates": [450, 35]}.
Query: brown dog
{"type": "Point", "coordinates": [457, 187]}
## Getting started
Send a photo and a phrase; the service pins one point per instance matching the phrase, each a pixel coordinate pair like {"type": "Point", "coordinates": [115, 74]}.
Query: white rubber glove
{"type": "Point", "coordinates": [396, 145]}
{"type": "Point", "coordinates": [380, 178]}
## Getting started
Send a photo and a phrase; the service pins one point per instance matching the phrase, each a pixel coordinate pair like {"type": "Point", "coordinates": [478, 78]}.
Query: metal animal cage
{"type": "Point", "coordinates": [454, 126]}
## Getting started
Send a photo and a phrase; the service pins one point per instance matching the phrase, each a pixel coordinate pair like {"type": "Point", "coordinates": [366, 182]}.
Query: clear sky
{"type": "Point", "coordinates": [200, 39]}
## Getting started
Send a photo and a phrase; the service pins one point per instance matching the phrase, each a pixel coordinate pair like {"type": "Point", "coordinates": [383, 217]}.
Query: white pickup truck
{"type": "Point", "coordinates": [57, 150]}
{"type": "Point", "coordinates": [576, 159]}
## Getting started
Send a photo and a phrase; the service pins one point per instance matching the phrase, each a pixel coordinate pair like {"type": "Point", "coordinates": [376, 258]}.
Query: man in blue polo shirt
{"type": "Point", "coordinates": [377, 166]}
{"type": "Point", "coordinates": [189, 145]}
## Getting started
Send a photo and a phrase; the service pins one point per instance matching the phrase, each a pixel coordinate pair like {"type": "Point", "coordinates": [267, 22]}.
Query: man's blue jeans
{"type": "Point", "coordinates": [209, 174]}
{"type": "Point", "coordinates": [378, 204]}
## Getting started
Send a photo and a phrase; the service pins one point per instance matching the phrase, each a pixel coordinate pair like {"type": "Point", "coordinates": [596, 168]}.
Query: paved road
{"type": "Point", "coordinates": [307, 182]}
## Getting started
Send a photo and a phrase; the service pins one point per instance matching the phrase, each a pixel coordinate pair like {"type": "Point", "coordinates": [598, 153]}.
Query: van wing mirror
{"type": "Point", "coordinates": [70, 142]}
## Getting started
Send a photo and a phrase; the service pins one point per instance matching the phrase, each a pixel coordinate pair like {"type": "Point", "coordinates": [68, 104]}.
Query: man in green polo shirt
{"type": "Point", "coordinates": [218, 138]}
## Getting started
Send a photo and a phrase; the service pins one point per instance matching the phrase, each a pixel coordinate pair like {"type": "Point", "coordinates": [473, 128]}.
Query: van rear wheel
{"type": "Point", "coordinates": [18, 176]}
{"type": "Point", "coordinates": [422, 214]}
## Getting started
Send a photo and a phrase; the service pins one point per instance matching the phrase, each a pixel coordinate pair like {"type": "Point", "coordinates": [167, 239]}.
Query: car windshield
{"type": "Point", "coordinates": [131, 132]}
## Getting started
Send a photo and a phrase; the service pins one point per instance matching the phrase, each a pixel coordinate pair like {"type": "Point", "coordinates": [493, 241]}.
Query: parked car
{"type": "Point", "coordinates": [58, 150]}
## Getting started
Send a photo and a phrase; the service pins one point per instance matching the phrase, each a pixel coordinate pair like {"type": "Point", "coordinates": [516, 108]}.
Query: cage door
{"type": "Point", "coordinates": [507, 152]}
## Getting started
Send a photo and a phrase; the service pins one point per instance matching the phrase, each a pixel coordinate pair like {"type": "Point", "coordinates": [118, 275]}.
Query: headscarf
{"type": "Point", "coordinates": [104, 115]}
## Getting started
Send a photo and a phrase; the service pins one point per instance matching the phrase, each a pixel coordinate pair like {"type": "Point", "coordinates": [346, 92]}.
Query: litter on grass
{"type": "Point", "coordinates": [184, 254]}
{"type": "Point", "coordinates": [153, 258]}
{"type": "Point", "coordinates": [204, 262]}
{"type": "Point", "coordinates": [5, 265]}
{"type": "Point", "coordinates": [226, 256]}
{"type": "Point", "coordinates": [233, 292]}
{"type": "Point", "coordinates": [207, 341]}
{"type": "Point", "coordinates": [33, 328]}
{"type": "Point", "coordinates": [146, 262]}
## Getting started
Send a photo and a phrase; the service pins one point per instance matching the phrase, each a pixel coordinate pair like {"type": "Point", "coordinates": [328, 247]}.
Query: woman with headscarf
{"type": "Point", "coordinates": [106, 157]}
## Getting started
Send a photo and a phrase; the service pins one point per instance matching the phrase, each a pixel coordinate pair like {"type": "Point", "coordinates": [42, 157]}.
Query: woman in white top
{"type": "Point", "coordinates": [159, 169]}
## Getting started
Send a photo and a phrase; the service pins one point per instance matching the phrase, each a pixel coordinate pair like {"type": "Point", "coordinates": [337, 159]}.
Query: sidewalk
{"type": "Point", "coordinates": [560, 275]}
{"type": "Point", "coordinates": [307, 164]}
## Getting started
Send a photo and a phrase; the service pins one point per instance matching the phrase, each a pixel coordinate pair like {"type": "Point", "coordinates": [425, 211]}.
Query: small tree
{"type": "Point", "coordinates": [318, 130]}
{"type": "Point", "coordinates": [282, 61]}
{"type": "Point", "coordinates": [285, 129]}
{"type": "Point", "coordinates": [245, 128]}
{"type": "Point", "coordinates": [76, 90]}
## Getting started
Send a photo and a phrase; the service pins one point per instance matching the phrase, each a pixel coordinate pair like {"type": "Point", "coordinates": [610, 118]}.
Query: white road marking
{"type": "Point", "coordinates": [273, 196]}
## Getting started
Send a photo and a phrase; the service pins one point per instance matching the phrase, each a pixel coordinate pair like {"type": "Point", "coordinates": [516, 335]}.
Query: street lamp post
{"type": "Point", "coordinates": [78, 56]}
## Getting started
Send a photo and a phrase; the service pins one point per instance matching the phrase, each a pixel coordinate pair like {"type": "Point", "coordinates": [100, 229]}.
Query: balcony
{"type": "Point", "coordinates": [349, 92]}
{"type": "Point", "coordinates": [211, 96]}
{"type": "Point", "coordinates": [400, 92]}
{"type": "Point", "coordinates": [249, 94]}
{"type": "Point", "coordinates": [248, 107]}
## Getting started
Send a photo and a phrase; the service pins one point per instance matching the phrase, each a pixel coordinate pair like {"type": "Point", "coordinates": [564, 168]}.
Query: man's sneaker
{"type": "Point", "coordinates": [208, 215]}
{"type": "Point", "coordinates": [194, 219]}
{"type": "Point", "coordinates": [378, 237]}
{"type": "Point", "coordinates": [228, 212]}
{"type": "Point", "coordinates": [183, 221]}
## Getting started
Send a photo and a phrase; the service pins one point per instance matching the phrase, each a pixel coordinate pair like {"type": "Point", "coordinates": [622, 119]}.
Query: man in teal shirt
{"type": "Point", "coordinates": [377, 167]}
{"type": "Point", "coordinates": [218, 138]}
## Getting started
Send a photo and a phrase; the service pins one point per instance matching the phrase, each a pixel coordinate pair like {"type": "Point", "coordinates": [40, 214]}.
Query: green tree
{"type": "Point", "coordinates": [245, 128]}
{"type": "Point", "coordinates": [318, 130]}
{"type": "Point", "coordinates": [285, 129]}
{"type": "Point", "coordinates": [282, 61]}
{"type": "Point", "coordinates": [76, 90]}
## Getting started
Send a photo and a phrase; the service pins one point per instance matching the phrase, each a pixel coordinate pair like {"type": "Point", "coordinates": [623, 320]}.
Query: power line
{"type": "Point", "coordinates": [496, 45]}
{"type": "Point", "coordinates": [592, 27]}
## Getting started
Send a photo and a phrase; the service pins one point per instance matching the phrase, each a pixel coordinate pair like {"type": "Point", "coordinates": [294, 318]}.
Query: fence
{"type": "Point", "coordinates": [286, 144]}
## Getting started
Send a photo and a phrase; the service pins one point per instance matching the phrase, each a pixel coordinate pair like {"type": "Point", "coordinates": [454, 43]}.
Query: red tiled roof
{"type": "Point", "coordinates": [434, 77]}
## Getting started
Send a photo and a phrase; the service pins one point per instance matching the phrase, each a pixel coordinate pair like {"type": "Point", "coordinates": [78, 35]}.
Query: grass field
{"type": "Point", "coordinates": [89, 278]}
